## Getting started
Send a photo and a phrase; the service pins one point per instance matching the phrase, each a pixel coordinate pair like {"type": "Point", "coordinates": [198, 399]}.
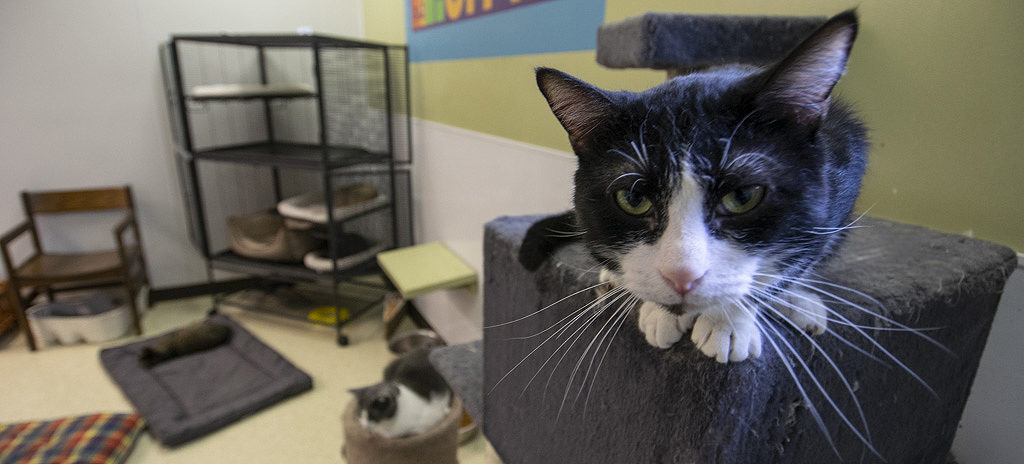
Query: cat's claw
{"type": "Point", "coordinates": [661, 328]}
{"type": "Point", "coordinates": [734, 339]}
{"type": "Point", "coordinates": [808, 312]}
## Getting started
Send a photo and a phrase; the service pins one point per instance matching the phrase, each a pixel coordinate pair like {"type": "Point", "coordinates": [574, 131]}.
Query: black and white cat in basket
{"type": "Point", "coordinates": [412, 398]}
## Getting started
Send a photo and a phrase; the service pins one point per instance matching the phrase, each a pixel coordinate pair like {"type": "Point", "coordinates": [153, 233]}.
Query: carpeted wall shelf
{"type": "Point", "coordinates": [681, 43]}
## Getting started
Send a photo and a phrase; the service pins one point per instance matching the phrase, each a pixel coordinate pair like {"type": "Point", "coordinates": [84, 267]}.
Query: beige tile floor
{"type": "Point", "coordinates": [68, 380]}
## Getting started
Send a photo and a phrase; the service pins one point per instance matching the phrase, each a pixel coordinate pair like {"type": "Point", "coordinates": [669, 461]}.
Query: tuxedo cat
{"type": "Point", "coordinates": [412, 398]}
{"type": "Point", "coordinates": [714, 193]}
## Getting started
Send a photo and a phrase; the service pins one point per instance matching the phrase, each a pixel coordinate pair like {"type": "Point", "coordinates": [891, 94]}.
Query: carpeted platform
{"type": "Point", "coordinates": [686, 42]}
{"type": "Point", "coordinates": [641, 404]}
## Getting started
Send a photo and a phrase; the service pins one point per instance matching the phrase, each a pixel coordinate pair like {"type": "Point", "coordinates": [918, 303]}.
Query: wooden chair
{"type": "Point", "coordinates": [49, 273]}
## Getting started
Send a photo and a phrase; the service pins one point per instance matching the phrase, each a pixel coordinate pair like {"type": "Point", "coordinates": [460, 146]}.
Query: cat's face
{"type": "Point", "coordinates": [377, 403]}
{"type": "Point", "coordinates": [692, 190]}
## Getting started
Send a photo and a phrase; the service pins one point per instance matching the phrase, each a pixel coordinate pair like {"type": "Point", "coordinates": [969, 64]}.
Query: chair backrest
{"type": "Point", "coordinates": [67, 201]}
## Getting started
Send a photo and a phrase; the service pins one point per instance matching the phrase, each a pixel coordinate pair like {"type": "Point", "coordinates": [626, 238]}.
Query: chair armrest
{"type": "Point", "coordinates": [14, 233]}
{"type": "Point", "coordinates": [119, 230]}
{"type": "Point", "coordinates": [127, 221]}
{"type": "Point", "coordinates": [9, 237]}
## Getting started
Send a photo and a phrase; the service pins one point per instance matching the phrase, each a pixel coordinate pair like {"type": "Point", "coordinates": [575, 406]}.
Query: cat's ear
{"type": "Point", "coordinates": [358, 391]}
{"type": "Point", "coordinates": [800, 85]}
{"type": "Point", "coordinates": [579, 106]}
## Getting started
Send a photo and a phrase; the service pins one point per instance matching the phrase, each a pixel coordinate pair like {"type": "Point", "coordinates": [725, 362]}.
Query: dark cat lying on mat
{"type": "Point", "coordinates": [412, 398]}
{"type": "Point", "coordinates": [195, 337]}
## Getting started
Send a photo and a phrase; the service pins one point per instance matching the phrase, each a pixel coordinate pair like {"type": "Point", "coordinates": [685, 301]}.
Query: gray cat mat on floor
{"type": "Point", "coordinates": [684, 41]}
{"type": "Point", "coordinates": [191, 396]}
{"type": "Point", "coordinates": [642, 404]}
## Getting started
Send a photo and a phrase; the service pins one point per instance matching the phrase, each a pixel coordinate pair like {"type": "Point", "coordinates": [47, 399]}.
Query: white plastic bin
{"type": "Point", "coordinates": [96, 318]}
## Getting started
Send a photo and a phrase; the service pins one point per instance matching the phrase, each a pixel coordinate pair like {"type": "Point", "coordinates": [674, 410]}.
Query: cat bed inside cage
{"type": "Point", "coordinates": [264, 235]}
{"type": "Point", "coordinates": [353, 249]}
{"type": "Point", "coordinates": [100, 317]}
{"type": "Point", "coordinates": [348, 201]}
{"type": "Point", "coordinates": [193, 395]}
{"type": "Point", "coordinates": [436, 446]}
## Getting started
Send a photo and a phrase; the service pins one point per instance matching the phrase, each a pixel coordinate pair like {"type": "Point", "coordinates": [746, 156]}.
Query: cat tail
{"type": "Point", "coordinates": [545, 236]}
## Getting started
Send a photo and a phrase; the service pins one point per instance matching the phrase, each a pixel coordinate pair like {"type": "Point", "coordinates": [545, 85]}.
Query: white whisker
{"type": "Point", "coordinates": [728, 143]}
{"type": "Point", "coordinates": [568, 384]}
{"type": "Point", "coordinates": [786, 363]}
{"type": "Point", "coordinates": [592, 304]}
{"type": "Point", "coordinates": [622, 309]}
{"type": "Point", "coordinates": [874, 342]}
{"type": "Point", "coordinates": [829, 331]}
{"type": "Point", "coordinates": [824, 392]}
{"type": "Point", "coordinates": [621, 321]}
{"type": "Point", "coordinates": [574, 337]}
{"type": "Point", "coordinates": [555, 351]}
{"type": "Point", "coordinates": [835, 367]}
{"type": "Point", "coordinates": [579, 313]}
{"type": "Point", "coordinates": [802, 283]}
{"type": "Point", "coordinates": [628, 157]}
{"type": "Point", "coordinates": [833, 230]}
{"type": "Point", "coordinates": [542, 309]}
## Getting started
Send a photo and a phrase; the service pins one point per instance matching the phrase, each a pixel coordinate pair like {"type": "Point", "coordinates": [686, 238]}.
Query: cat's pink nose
{"type": "Point", "coordinates": [682, 279]}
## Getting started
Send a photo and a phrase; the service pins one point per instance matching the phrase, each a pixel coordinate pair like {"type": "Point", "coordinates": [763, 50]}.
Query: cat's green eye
{"type": "Point", "coordinates": [743, 199]}
{"type": "Point", "coordinates": [632, 203]}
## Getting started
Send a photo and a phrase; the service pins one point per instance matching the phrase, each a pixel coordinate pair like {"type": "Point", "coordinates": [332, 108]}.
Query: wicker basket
{"type": "Point", "coordinates": [435, 446]}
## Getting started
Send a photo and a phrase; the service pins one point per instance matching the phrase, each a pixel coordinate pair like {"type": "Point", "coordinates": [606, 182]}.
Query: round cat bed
{"type": "Point", "coordinates": [100, 317]}
{"type": "Point", "coordinates": [437, 445]}
{"type": "Point", "coordinates": [348, 201]}
{"type": "Point", "coordinates": [353, 249]}
{"type": "Point", "coordinates": [263, 235]}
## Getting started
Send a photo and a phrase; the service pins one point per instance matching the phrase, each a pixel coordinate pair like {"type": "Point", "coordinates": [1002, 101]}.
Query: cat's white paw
{"type": "Point", "coordinates": [808, 312]}
{"type": "Point", "coordinates": [735, 338]}
{"type": "Point", "coordinates": [661, 328]}
{"type": "Point", "coordinates": [607, 282]}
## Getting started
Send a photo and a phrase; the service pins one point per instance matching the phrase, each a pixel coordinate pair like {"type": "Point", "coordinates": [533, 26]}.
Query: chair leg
{"type": "Point", "coordinates": [14, 297]}
{"type": "Point", "coordinates": [132, 294]}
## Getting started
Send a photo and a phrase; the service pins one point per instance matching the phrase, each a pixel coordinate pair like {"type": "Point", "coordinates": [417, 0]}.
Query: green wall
{"type": "Point", "coordinates": [937, 82]}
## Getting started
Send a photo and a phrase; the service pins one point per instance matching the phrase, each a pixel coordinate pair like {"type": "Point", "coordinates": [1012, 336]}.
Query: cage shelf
{"type": "Point", "coordinates": [245, 91]}
{"type": "Point", "coordinates": [293, 155]}
{"type": "Point", "coordinates": [230, 261]}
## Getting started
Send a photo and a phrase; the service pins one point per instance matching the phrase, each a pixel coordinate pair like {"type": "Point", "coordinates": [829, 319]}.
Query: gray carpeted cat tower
{"type": "Point", "coordinates": [645, 405]}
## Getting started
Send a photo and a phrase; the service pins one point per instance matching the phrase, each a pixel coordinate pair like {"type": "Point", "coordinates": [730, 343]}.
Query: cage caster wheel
{"type": "Point", "coordinates": [343, 340]}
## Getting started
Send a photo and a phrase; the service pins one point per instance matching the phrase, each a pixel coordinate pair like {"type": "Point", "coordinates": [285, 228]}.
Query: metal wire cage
{"type": "Point", "coordinates": [256, 119]}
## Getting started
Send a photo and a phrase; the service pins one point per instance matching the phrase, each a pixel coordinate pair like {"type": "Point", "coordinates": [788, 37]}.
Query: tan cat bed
{"type": "Point", "coordinates": [263, 235]}
{"type": "Point", "coordinates": [349, 201]}
{"type": "Point", "coordinates": [436, 446]}
{"type": "Point", "coordinates": [320, 261]}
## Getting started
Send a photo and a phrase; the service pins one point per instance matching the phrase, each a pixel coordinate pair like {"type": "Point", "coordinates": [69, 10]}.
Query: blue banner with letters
{"type": "Point", "coordinates": [463, 29]}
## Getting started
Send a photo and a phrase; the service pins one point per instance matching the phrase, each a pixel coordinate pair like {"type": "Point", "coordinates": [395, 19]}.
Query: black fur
{"type": "Point", "coordinates": [198, 336]}
{"type": "Point", "coordinates": [415, 371]}
{"type": "Point", "coordinates": [544, 237]}
{"type": "Point", "coordinates": [814, 148]}
{"type": "Point", "coordinates": [378, 400]}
